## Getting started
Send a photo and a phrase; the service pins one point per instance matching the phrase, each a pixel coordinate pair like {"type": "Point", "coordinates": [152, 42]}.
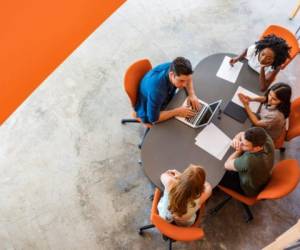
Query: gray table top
{"type": "Point", "coordinates": [171, 144]}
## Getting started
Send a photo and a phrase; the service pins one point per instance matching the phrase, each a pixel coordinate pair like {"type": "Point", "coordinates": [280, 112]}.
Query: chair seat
{"type": "Point", "coordinates": [245, 199]}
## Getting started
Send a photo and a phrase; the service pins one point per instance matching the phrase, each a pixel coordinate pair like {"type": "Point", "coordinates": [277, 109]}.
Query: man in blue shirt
{"type": "Point", "coordinates": [158, 87]}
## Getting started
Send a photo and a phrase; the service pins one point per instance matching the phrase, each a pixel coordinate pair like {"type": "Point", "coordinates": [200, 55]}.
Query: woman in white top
{"type": "Point", "coordinates": [183, 195]}
{"type": "Point", "coordinates": [275, 108]}
{"type": "Point", "coordinates": [266, 57]}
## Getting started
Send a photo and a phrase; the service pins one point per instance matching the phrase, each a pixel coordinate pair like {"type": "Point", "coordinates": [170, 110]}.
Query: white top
{"type": "Point", "coordinates": [253, 61]}
{"type": "Point", "coordinates": [187, 219]}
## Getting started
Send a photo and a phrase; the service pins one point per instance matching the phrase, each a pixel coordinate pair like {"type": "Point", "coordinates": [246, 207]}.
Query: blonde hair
{"type": "Point", "coordinates": [188, 188]}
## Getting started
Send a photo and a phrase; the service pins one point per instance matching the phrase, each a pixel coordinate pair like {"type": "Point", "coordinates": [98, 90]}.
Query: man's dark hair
{"type": "Point", "coordinates": [257, 136]}
{"type": "Point", "coordinates": [181, 66]}
{"type": "Point", "coordinates": [278, 45]}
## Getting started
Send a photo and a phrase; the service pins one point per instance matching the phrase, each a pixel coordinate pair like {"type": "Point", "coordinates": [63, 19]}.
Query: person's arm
{"type": "Point", "coordinates": [260, 99]}
{"type": "Point", "coordinates": [169, 176]}
{"type": "Point", "coordinates": [155, 115]}
{"type": "Point", "coordinates": [252, 99]}
{"type": "Point", "coordinates": [238, 58]}
{"type": "Point", "coordinates": [229, 164]}
{"type": "Point", "coordinates": [249, 112]}
{"type": "Point", "coordinates": [253, 118]}
{"type": "Point", "coordinates": [206, 193]}
{"type": "Point", "coordinates": [192, 98]}
{"type": "Point", "coordinates": [180, 111]}
{"type": "Point", "coordinates": [266, 79]}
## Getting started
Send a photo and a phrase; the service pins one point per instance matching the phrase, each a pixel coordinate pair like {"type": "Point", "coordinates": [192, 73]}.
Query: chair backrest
{"type": "Point", "coordinates": [288, 36]}
{"type": "Point", "coordinates": [133, 76]}
{"type": "Point", "coordinates": [278, 143]}
{"type": "Point", "coordinates": [285, 178]}
{"type": "Point", "coordinates": [294, 120]}
{"type": "Point", "coordinates": [172, 231]}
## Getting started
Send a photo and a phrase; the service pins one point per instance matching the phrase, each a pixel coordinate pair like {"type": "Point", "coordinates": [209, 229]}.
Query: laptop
{"type": "Point", "coordinates": [203, 116]}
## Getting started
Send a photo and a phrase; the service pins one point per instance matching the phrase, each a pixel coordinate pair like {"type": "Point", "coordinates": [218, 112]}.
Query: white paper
{"type": "Point", "coordinates": [253, 105]}
{"type": "Point", "coordinates": [213, 141]}
{"type": "Point", "coordinates": [228, 72]}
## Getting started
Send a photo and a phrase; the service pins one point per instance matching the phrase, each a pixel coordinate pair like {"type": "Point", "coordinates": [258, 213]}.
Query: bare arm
{"type": "Point", "coordinates": [206, 193]}
{"type": "Point", "coordinates": [260, 99]}
{"type": "Point", "coordinates": [245, 100]}
{"type": "Point", "coordinates": [192, 98]}
{"type": "Point", "coordinates": [229, 164]}
{"type": "Point", "coordinates": [166, 178]}
{"type": "Point", "coordinates": [253, 118]}
{"type": "Point", "coordinates": [190, 88]}
{"type": "Point", "coordinates": [238, 58]}
{"type": "Point", "coordinates": [242, 56]}
{"type": "Point", "coordinates": [266, 79]}
{"type": "Point", "coordinates": [180, 111]}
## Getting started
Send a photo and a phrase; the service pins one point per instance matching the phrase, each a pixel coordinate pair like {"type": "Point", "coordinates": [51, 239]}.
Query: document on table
{"type": "Point", "coordinates": [228, 72]}
{"type": "Point", "coordinates": [213, 141]}
{"type": "Point", "coordinates": [253, 105]}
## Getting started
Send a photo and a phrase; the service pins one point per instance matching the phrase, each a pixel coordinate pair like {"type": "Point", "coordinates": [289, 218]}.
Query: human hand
{"type": "Point", "coordinates": [262, 66]}
{"type": "Point", "coordinates": [233, 61]}
{"type": "Point", "coordinates": [194, 102]}
{"type": "Point", "coordinates": [236, 144]}
{"type": "Point", "coordinates": [185, 112]}
{"type": "Point", "coordinates": [173, 173]}
{"type": "Point", "coordinates": [244, 99]}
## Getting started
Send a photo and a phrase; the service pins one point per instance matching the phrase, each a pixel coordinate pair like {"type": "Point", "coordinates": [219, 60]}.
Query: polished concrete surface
{"type": "Point", "coordinates": [69, 172]}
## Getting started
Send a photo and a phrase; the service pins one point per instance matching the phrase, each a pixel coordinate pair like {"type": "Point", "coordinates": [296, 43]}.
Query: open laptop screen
{"type": "Point", "coordinates": [208, 113]}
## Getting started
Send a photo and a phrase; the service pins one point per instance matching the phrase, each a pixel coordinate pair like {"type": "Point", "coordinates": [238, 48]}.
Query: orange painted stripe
{"type": "Point", "coordinates": [36, 36]}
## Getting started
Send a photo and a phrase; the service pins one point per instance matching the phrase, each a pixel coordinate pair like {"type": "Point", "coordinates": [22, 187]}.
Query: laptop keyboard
{"type": "Point", "coordinates": [195, 117]}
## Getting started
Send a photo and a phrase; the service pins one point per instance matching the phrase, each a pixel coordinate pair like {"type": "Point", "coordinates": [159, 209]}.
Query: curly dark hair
{"type": "Point", "coordinates": [283, 92]}
{"type": "Point", "coordinates": [278, 45]}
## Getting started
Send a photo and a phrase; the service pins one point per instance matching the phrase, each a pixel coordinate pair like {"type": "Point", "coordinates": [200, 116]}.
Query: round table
{"type": "Point", "coordinates": [171, 144]}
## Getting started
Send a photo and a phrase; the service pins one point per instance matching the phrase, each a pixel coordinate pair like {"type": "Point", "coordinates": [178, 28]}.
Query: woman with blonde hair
{"type": "Point", "coordinates": [183, 195]}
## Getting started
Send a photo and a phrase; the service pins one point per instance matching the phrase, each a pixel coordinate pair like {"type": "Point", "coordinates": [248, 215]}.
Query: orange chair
{"type": "Point", "coordinates": [284, 179]}
{"type": "Point", "coordinates": [294, 126]}
{"type": "Point", "coordinates": [294, 120]}
{"type": "Point", "coordinates": [133, 76]}
{"type": "Point", "coordinates": [288, 36]}
{"type": "Point", "coordinates": [172, 232]}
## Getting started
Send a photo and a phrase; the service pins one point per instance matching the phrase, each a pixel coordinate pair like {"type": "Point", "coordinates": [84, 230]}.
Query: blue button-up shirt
{"type": "Point", "coordinates": [154, 94]}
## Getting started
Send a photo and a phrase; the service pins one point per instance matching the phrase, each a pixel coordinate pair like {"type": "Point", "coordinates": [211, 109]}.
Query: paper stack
{"type": "Point", "coordinates": [227, 71]}
{"type": "Point", "coordinates": [213, 141]}
{"type": "Point", "coordinates": [253, 105]}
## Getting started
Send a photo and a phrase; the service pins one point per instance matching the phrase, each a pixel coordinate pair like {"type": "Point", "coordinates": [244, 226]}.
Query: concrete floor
{"type": "Point", "coordinates": [69, 176]}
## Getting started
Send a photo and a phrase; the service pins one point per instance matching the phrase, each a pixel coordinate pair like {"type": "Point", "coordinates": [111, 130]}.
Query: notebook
{"type": "Point", "coordinates": [236, 112]}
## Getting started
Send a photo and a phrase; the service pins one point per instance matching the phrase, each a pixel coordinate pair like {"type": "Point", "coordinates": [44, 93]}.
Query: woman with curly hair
{"type": "Point", "coordinates": [183, 195]}
{"type": "Point", "coordinates": [265, 57]}
{"type": "Point", "coordinates": [274, 110]}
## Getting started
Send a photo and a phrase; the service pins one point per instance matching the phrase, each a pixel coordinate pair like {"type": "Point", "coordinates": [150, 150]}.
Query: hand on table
{"type": "Point", "coordinates": [233, 61]}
